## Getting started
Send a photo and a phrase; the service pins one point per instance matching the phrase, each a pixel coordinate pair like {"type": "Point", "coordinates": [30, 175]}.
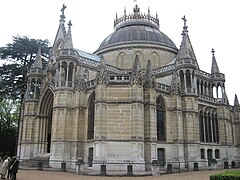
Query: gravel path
{"type": "Point", "coordinates": [50, 175]}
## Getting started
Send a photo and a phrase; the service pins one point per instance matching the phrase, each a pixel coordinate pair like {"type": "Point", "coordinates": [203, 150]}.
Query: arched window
{"type": "Point", "coordinates": [198, 87]}
{"type": "Point", "coordinates": [201, 88]}
{"type": "Point", "coordinates": [38, 88]}
{"type": "Point", "coordinates": [201, 126]}
{"type": "Point", "coordinates": [188, 79]}
{"type": "Point", "coordinates": [214, 128]}
{"type": "Point", "coordinates": [209, 127]}
{"type": "Point", "coordinates": [219, 89]}
{"type": "Point", "coordinates": [120, 60]}
{"type": "Point", "coordinates": [161, 120]}
{"type": "Point", "coordinates": [206, 127]}
{"type": "Point", "coordinates": [91, 111]}
{"type": "Point", "coordinates": [217, 130]}
{"type": "Point", "coordinates": [63, 73]}
{"type": "Point", "coordinates": [182, 81]}
{"type": "Point", "coordinates": [32, 89]}
{"type": "Point", "coordinates": [70, 72]}
{"type": "Point", "coordinates": [214, 90]}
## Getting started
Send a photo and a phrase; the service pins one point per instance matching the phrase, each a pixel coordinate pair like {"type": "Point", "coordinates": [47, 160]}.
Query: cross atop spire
{"type": "Point", "coordinates": [63, 16]}
{"type": "Point", "coordinates": [185, 24]}
{"type": "Point", "coordinates": [185, 20]}
{"type": "Point", "coordinates": [212, 52]}
{"type": "Point", "coordinates": [215, 68]}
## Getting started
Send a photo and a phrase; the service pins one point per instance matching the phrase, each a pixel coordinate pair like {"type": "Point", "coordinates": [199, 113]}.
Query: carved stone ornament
{"type": "Point", "coordinates": [102, 77]}
{"type": "Point", "coordinates": [150, 77]}
{"type": "Point", "coordinates": [175, 86]}
{"type": "Point", "coordinates": [136, 75]}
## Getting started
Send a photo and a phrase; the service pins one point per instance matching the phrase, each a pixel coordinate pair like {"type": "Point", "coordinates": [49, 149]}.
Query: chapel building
{"type": "Point", "coordinates": [136, 99]}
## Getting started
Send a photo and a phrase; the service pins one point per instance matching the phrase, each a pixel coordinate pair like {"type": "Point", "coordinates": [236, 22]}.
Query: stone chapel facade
{"type": "Point", "coordinates": [136, 99]}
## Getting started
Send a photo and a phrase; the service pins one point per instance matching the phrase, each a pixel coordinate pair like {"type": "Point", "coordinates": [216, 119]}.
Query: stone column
{"type": "Point", "coordinates": [66, 83]}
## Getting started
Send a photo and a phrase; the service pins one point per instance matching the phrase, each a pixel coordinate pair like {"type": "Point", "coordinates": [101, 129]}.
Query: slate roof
{"type": "Point", "coordinates": [137, 32]}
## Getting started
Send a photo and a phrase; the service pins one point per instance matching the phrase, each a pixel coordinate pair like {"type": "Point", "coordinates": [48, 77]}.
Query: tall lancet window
{"type": "Point", "coordinates": [182, 81]}
{"type": "Point", "coordinates": [161, 119]}
{"type": "Point", "coordinates": [201, 126]}
{"type": "Point", "coordinates": [91, 111]}
{"type": "Point", "coordinates": [188, 79]}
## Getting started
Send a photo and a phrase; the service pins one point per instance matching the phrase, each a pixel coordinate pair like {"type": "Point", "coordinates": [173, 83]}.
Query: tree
{"type": "Point", "coordinates": [9, 116]}
{"type": "Point", "coordinates": [19, 56]}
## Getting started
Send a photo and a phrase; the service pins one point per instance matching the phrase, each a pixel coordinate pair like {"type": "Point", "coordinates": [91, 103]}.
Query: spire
{"type": "Point", "coordinates": [38, 61]}
{"type": "Point", "coordinates": [186, 50]}
{"type": "Point", "coordinates": [236, 102]}
{"type": "Point", "coordinates": [136, 77]}
{"type": "Point", "coordinates": [150, 78]}
{"type": "Point", "coordinates": [136, 64]}
{"type": "Point", "coordinates": [68, 39]}
{"type": "Point", "coordinates": [101, 77]}
{"type": "Point", "coordinates": [63, 38]}
{"type": "Point", "coordinates": [61, 33]}
{"type": "Point", "coordinates": [102, 64]}
{"type": "Point", "coordinates": [215, 68]}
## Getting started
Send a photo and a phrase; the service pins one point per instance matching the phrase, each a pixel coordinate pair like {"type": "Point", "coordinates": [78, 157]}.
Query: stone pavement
{"type": "Point", "coordinates": [51, 175]}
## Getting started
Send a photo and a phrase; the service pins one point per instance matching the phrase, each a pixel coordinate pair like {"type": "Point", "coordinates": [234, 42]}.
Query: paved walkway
{"type": "Point", "coordinates": [50, 175]}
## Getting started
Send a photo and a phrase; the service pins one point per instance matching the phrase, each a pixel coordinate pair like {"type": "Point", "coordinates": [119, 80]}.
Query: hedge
{"type": "Point", "coordinates": [227, 175]}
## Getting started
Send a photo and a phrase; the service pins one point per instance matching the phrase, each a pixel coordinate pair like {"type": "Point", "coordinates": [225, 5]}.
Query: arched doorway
{"type": "Point", "coordinates": [45, 114]}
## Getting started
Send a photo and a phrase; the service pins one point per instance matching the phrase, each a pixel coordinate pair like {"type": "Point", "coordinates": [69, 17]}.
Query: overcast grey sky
{"type": "Point", "coordinates": [211, 24]}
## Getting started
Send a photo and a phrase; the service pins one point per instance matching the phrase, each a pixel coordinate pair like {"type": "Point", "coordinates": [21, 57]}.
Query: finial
{"type": "Point", "coordinates": [70, 24]}
{"type": "Point", "coordinates": [148, 10]}
{"type": "Point", "coordinates": [125, 11]}
{"type": "Point", "coordinates": [185, 24]}
{"type": "Point", "coordinates": [63, 16]}
{"type": "Point", "coordinates": [136, 10]}
{"type": "Point", "coordinates": [39, 51]}
{"type": "Point", "coordinates": [212, 51]}
{"type": "Point", "coordinates": [236, 103]}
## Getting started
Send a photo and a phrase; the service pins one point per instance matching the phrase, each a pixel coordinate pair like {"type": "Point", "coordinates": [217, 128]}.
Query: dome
{"type": "Point", "coordinates": [136, 28]}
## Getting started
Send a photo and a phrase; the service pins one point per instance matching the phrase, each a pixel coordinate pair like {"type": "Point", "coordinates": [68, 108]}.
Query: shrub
{"type": "Point", "coordinates": [227, 175]}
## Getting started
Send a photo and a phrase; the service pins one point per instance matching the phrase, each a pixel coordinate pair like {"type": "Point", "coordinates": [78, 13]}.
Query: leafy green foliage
{"type": "Point", "coordinates": [9, 116]}
{"type": "Point", "coordinates": [226, 175]}
{"type": "Point", "coordinates": [18, 58]}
